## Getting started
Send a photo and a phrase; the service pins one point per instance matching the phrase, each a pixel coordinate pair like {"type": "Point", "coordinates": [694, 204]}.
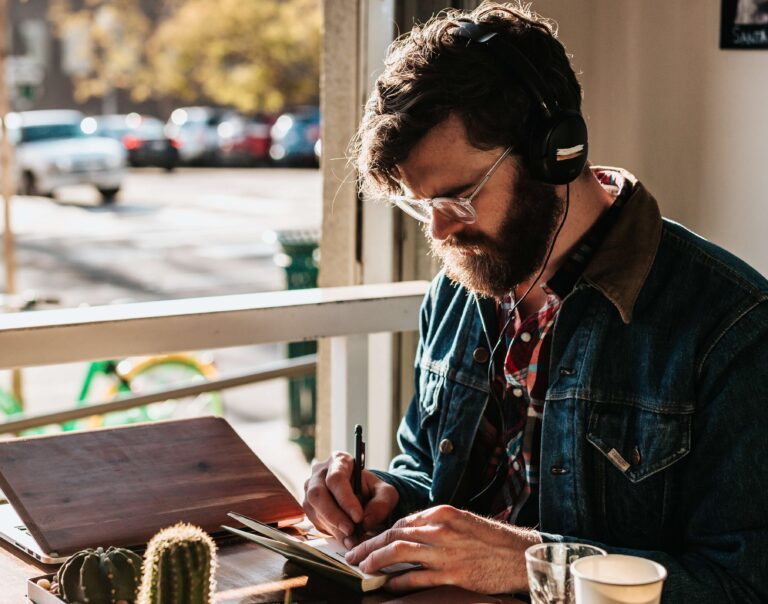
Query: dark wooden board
{"type": "Point", "coordinates": [119, 486]}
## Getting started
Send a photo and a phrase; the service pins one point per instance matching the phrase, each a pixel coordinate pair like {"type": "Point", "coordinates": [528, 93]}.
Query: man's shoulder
{"type": "Point", "coordinates": [446, 298]}
{"type": "Point", "coordinates": [697, 291]}
{"type": "Point", "coordinates": [443, 286]}
{"type": "Point", "coordinates": [710, 266]}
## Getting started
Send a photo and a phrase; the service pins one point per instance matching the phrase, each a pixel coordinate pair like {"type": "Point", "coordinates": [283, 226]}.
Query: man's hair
{"type": "Point", "coordinates": [430, 73]}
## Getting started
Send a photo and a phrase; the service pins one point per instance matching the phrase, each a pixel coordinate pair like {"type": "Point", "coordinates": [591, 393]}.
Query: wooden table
{"type": "Point", "coordinates": [249, 574]}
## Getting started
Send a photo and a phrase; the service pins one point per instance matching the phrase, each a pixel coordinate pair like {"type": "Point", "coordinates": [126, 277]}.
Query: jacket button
{"type": "Point", "coordinates": [481, 355]}
{"type": "Point", "coordinates": [445, 446]}
{"type": "Point", "coordinates": [558, 470]}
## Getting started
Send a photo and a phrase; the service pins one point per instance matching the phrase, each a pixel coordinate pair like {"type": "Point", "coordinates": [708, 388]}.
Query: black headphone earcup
{"type": "Point", "coordinates": [557, 147]}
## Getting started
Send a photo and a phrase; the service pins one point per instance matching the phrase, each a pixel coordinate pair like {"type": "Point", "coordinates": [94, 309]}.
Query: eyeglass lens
{"type": "Point", "coordinates": [447, 206]}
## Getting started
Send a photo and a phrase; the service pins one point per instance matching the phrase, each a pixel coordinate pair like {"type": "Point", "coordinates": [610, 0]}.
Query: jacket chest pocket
{"type": "Point", "coordinates": [636, 453]}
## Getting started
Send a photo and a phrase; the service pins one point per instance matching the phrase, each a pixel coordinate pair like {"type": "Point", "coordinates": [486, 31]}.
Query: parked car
{"type": "Point", "coordinates": [195, 130]}
{"type": "Point", "coordinates": [244, 141]}
{"type": "Point", "coordinates": [143, 137]}
{"type": "Point", "coordinates": [53, 150]}
{"type": "Point", "coordinates": [294, 136]}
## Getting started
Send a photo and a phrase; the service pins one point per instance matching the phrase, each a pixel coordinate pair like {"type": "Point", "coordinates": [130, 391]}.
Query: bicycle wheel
{"type": "Point", "coordinates": [8, 404]}
{"type": "Point", "coordinates": [161, 373]}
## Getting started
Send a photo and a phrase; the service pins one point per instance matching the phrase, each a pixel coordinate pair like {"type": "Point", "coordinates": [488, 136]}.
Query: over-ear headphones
{"type": "Point", "coordinates": [556, 147]}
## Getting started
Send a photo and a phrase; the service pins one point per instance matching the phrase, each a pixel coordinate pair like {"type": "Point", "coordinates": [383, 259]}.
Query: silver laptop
{"type": "Point", "coordinates": [13, 530]}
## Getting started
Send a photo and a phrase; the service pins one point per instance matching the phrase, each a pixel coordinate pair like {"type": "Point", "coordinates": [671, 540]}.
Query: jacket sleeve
{"type": "Point", "coordinates": [724, 553]}
{"type": "Point", "coordinates": [410, 472]}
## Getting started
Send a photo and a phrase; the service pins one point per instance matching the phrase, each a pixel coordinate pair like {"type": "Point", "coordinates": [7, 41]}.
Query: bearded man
{"type": "Point", "coordinates": [587, 371]}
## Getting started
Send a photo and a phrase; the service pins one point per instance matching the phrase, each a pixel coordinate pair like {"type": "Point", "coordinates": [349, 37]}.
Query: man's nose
{"type": "Point", "coordinates": [443, 227]}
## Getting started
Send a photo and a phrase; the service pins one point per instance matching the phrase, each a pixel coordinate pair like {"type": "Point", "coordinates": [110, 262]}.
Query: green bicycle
{"type": "Point", "coordinates": [113, 379]}
{"type": "Point", "coordinates": [110, 380]}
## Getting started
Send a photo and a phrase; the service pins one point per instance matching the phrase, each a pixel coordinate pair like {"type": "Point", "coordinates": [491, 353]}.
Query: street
{"type": "Point", "coordinates": [189, 233]}
{"type": "Point", "coordinates": [193, 232]}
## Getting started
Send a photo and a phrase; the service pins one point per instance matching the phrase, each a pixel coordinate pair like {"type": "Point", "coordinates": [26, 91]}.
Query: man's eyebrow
{"type": "Point", "coordinates": [470, 184]}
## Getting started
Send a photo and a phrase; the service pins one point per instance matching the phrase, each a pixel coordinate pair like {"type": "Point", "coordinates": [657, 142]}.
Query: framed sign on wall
{"type": "Point", "coordinates": [744, 24]}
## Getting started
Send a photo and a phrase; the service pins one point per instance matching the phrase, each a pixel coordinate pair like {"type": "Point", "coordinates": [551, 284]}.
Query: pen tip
{"type": "Point", "coordinates": [358, 429]}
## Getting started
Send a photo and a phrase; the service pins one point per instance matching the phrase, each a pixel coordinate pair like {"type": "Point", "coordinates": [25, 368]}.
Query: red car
{"type": "Point", "coordinates": [245, 141]}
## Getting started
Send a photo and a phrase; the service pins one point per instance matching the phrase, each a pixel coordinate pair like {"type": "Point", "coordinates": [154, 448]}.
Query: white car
{"type": "Point", "coordinates": [54, 149]}
{"type": "Point", "coordinates": [196, 131]}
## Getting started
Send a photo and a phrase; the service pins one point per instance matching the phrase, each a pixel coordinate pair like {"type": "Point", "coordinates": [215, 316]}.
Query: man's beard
{"type": "Point", "coordinates": [495, 266]}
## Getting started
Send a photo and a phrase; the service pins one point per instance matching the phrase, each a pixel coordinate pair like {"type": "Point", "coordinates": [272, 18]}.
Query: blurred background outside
{"type": "Point", "coordinates": [168, 149]}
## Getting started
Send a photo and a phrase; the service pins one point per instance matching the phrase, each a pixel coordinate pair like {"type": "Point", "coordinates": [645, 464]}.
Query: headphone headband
{"type": "Point", "coordinates": [557, 144]}
{"type": "Point", "coordinates": [520, 65]}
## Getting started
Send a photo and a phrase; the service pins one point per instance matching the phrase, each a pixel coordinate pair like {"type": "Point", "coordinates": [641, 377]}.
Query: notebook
{"type": "Point", "coordinates": [119, 486]}
{"type": "Point", "coordinates": [322, 554]}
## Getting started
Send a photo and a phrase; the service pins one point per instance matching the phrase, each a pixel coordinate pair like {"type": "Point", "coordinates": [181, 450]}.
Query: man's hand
{"type": "Point", "coordinates": [331, 505]}
{"type": "Point", "coordinates": [454, 548]}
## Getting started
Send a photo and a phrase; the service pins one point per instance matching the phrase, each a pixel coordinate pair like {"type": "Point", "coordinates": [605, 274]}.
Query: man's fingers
{"type": "Point", "coordinates": [399, 551]}
{"type": "Point", "coordinates": [383, 500]}
{"type": "Point", "coordinates": [417, 579]}
{"type": "Point", "coordinates": [339, 483]}
{"type": "Point", "coordinates": [316, 520]}
{"type": "Point", "coordinates": [323, 510]}
{"type": "Point", "coordinates": [441, 515]}
{"type": "Point", "coordinates": [366, 548]}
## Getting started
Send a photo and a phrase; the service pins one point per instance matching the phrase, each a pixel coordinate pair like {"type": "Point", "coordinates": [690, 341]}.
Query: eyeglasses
{"type": "Point", "coordinates": [459, 209]}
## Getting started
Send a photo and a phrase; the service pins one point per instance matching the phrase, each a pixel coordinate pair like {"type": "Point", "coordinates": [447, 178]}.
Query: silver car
{"type": "Point", "coordinates": [54, 149]}
{"type": "Point", "coordinates": [196, 131]}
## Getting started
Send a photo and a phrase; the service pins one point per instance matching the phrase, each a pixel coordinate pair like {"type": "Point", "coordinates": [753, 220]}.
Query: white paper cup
{"type": "Point", "coordinates": [617, 579]}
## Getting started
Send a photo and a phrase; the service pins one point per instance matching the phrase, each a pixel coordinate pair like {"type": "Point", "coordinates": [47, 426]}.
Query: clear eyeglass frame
{"type": "Point", "coordinates": [459, 209]}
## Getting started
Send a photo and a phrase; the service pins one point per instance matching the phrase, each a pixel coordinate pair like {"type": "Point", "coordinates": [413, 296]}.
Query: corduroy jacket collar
{"type": "Point", "coordinates": [620, 266]}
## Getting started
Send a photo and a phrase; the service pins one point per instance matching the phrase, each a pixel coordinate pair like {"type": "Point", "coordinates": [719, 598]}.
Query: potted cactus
{"type": "Point", "coordinates": [179, 566]}
{"type": "Point", "coordinates": [96, 576]}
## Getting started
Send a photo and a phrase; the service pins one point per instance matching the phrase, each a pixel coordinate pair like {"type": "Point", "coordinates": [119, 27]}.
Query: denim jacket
{"type": "Point", "coordinates": [656, 416]}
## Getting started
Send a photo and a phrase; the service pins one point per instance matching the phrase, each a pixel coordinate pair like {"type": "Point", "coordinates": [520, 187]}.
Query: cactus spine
{"type": "Point", "coordinates": [94, 576]}
{"type": "Point", "coordinates": [179, 567]}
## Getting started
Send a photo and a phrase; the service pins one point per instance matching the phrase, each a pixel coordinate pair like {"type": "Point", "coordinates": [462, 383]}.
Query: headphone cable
{"type": "Point", "coordinates": [491, 375]}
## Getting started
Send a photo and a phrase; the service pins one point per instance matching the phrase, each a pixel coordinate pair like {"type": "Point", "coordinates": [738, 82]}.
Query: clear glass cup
{"type": "Point", "coordinates": [549, 570]}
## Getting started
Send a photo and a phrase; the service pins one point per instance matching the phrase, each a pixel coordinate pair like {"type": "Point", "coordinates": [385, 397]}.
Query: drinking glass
{"type": "Point", "coordinates": [549, 570]}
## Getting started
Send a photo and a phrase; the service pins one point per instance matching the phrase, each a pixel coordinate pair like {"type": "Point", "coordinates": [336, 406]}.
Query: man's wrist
{"type": "Point", "coordinates": [521, 539]}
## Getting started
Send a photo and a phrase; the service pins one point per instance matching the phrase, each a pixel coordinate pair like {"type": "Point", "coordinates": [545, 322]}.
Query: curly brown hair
{"type": "Point", "coordinates": [430, 73]}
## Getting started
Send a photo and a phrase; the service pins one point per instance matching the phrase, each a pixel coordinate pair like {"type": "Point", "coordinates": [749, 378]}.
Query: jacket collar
{"type": "Point", "coordinates": [620, 266]}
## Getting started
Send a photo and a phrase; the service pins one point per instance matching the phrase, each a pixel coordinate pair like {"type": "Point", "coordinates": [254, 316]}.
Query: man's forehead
{"type": "Point", "coordinates": [444, 160]}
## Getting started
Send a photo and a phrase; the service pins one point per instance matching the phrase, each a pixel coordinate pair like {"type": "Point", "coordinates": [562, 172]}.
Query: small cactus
{"type": "Point", "coordinates": [179, 567]}
{"type": "Point", "coordinates": [95, 576]}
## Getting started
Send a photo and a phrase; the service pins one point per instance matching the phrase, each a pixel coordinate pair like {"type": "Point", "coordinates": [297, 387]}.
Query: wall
{"type": "Point", "coordinates": [690, 120]}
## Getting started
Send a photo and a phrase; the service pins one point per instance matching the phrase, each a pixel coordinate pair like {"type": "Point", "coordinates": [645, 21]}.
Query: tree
{"type": "Point", "coordinates": [104, 43]}
{"type": "Point", "coordinates": [254, 55]}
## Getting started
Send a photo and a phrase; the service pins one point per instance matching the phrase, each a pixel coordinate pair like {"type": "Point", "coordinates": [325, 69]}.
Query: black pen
{"type": "Point", "coordinates": [357, 471]}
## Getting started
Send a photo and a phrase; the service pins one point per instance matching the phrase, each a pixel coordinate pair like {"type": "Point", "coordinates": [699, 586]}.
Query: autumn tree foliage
{"type": "Point", "coordinates": [255, 55]}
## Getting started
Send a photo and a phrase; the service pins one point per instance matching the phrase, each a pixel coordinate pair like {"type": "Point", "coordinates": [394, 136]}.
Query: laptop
{"type": "Point", "coordinates": [119, 486]}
